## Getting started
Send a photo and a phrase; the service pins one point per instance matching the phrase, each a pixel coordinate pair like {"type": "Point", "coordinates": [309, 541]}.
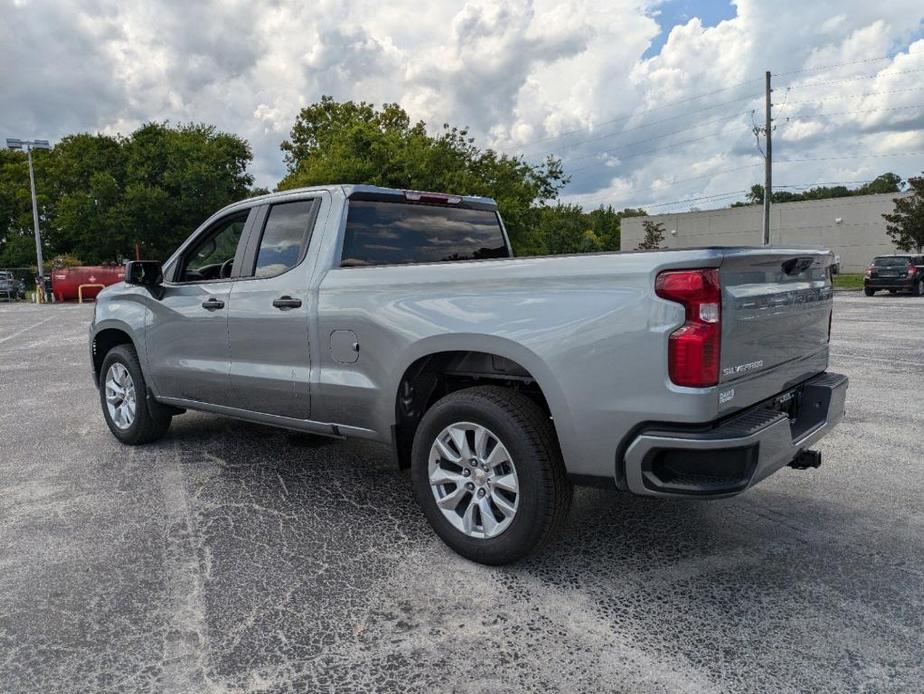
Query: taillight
{"type": "Point", "coordinates": [911, 269]}
{"type": "Point", "coordinates": [693, 349]}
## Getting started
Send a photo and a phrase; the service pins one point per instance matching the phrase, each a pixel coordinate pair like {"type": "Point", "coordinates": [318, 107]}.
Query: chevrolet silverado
{"type": "Point", "coordinates": [403, 317]}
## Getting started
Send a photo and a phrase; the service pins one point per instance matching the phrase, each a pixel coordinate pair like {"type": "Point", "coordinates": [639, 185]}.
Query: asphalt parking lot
{"type": "Point", "coordinates": [234, 557]}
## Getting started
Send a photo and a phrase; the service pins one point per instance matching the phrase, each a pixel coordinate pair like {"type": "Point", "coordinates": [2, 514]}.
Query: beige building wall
{"type": "Point", "coordinates": [853, 228]}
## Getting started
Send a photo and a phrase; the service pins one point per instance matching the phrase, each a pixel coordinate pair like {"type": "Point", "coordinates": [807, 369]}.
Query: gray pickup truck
{"type": "Point", "coordinates": [403, 317]}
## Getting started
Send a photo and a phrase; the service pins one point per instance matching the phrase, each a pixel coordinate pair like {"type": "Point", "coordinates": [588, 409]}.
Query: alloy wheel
{"type": "Point", "coordinates": [473, 480]}
{"type": "Point", "coordinates": [120, 396]}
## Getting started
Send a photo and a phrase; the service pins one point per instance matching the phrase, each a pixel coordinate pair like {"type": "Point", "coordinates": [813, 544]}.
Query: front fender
{"type": "Point", "coordinates": [126, 311]}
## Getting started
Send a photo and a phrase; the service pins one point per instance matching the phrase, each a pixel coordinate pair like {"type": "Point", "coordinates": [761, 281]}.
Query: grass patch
{"type": "Point", "coordinates": [848, 281]}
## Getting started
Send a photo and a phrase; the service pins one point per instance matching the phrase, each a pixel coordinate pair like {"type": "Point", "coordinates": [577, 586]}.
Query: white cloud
{"type": "Point", "coordinates": [558, 76]}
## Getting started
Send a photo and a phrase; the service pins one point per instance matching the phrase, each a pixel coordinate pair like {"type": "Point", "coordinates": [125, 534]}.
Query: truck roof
{"type": "Point", "coordinates": [351, 189]}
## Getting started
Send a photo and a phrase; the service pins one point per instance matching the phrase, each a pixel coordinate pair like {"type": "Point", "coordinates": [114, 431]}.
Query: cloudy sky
{"type": "Point", "coordinates": [648, 103]}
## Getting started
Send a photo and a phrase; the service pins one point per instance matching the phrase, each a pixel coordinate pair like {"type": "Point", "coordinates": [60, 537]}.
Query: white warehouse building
{"type": "Point", "coordinates": [853, 228]}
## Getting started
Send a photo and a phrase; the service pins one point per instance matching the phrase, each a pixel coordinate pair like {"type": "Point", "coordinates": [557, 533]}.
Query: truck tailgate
{"type": "Point", "coordinates": [776, 308]}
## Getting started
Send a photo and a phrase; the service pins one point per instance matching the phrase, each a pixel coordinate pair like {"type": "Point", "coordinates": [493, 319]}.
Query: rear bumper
{"type": "Point", "coordinates": [899, 283]}
{"type": "Point", "coordinates": [736, 454]}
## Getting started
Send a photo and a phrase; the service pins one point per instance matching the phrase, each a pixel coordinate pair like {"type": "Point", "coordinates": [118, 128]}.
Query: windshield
{"type": "Point", "coordinates": [892, 261]}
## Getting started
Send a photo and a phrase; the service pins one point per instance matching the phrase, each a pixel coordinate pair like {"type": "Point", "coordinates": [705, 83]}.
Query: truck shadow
{"type": "Point", "coordinates": [749, 585]}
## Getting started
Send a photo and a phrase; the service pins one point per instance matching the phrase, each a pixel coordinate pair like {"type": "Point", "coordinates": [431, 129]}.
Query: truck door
{"type": "Point", "coordinates": [270, 309]}
{"type": "Point", "coordinates": [187, 334]}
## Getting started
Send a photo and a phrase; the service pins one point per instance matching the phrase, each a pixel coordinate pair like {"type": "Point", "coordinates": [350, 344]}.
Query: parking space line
{"type": "Point", "coordinates": [10, 337]}
{"type": "Point", "coordinates": [186, 642]}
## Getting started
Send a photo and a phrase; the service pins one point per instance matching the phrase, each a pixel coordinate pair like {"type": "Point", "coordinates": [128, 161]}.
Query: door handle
{"type": "Point", "coordinates": [212, 304]}
{"type": "Point", "coordinates": [286, 302]}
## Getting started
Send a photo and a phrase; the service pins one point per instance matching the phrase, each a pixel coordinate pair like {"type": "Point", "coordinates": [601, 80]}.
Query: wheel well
{"type": "Point", "coordinates": [104, 341]}
{"type": "Point", "coordinates": [432, 377]}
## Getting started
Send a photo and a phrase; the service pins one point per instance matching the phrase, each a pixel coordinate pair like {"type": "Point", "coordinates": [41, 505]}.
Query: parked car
{"type": "Point", "coordinates": [403, 317]}
{"type": "Point", "coordinates": [11, 289]}
{"type": "Point", "coordinates": [896, 273]}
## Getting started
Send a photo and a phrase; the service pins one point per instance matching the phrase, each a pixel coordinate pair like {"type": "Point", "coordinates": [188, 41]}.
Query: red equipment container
{"type": "Point", "coordinates": [66, 281]}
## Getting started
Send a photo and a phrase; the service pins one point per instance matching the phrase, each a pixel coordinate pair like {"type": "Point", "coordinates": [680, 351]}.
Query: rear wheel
{"type": "Point", "coordinates": [488, 474]}
{"type": "Point", "coordinates": [919, 288]}
{"type": "Point", "coordinates": [869, 292]}
{"type": "Point", "coordinates": [123, 395]}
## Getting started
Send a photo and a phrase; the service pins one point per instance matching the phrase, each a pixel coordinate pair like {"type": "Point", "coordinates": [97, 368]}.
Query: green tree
{"type": "Point", "coordinates": [99, 195]}
{"type": "Point", "coordinates": [905, 225]}
{"type": "Point", "coordinates": [565, 228]}
{"type": "Point", "coordinates": [349, 142]}
{"type": "Point", "coordinates": [884, 183]}
{"type": "Point", "coordinates": [654, 235]}
{"type": "Point", "coordinates": [17, 242]}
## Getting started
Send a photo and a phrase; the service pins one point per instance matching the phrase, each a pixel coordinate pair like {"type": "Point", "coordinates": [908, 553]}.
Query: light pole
{"type": "Point", "coordinates": [29, 145]}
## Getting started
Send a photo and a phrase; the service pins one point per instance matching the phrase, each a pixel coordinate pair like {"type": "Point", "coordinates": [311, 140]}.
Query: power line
{"type": "Point", "coordinates": [528, 145]}
{"type": "Point", "coordinates": [731, 193]}
{"type": "Point", "coordinates": [854, 79]}
{"type": "Point", "coordinates": [621, 148]}
{"type": "Point", "coordinates": [676, 184]}
{"type": "Point", "coordinates": [828, 67]}
{"type": "Point", "coordinates": [704, 137]}
{"type": "Point", "coordinates": [571, 145]}
{"type": "Point", "coordinates": [699, 199]}
{"type": "Point", "coordinates": [713, 92]}
{"type": "Point", "coordinates": [650, 139]}
{"type": "Point", "coordinates": [628, 145]}
{"type": "Point", "coordinates": [851, 156]}
{"type": "Point", "coordinates": [687, 114]}
{"type": "Point", "coordinates": [859, 94]}
{"type": "Point", "coordinates": [804, 186]}
{"type": "Point", "coordinates": [638, 154]}
{"type": "Point", "coordinates": [854, 112]}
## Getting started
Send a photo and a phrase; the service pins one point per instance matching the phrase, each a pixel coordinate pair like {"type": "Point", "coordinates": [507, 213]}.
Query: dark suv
{"type": "Point", "coordinates": [897, 273]}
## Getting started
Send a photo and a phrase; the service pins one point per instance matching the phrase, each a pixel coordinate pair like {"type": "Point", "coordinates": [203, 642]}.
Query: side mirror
{"type": "Point", "coordinates": [145, 273]}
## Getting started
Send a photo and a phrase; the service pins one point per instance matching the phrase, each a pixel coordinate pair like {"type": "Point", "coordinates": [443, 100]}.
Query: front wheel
{"type": "Point", "coordinates": [869, 292]}
{"type": "Point", "coordinates": [123, 394]}
{"type": "Point", "coordinates": [488, 474]}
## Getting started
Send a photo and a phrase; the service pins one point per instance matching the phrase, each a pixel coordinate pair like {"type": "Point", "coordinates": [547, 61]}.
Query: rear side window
{"type": "Point", "coordinates": [285, 235]}
{"type": "Point", "coordinates": [392, 233]}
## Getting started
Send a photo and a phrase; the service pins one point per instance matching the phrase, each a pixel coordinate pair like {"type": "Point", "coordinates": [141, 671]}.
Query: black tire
{"type": "Point", "coordinates": [918, 288]}
{"type": "Point", "coordinates": [151, 421]}
{"type": "Point", "coordinates": [527, 433]}
{"type": "Point", "coordinates": [869, 292]}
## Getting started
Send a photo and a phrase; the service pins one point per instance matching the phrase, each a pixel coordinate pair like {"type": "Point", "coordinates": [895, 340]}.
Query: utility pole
{"type": "Point", "coordinates": [768, 162]}
{"type": "Point", "coordinates": [35, 222]}
{"type": "Point", "coordinates": [29, 145]}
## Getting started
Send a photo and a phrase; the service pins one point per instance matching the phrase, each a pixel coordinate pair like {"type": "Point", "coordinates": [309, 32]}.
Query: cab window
{"type": "Point", "coordinates": [285, 237]}
{"type": "Point", "coordinates": [212, 256]}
